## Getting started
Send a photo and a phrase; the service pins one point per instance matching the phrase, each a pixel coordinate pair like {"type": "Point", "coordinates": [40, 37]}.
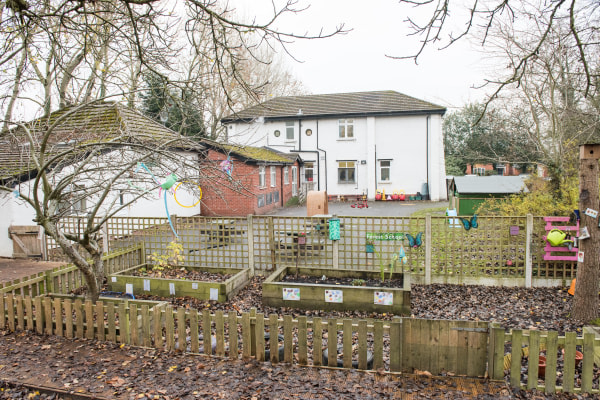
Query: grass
{"type": "Point", "coordinates": [436, 211]}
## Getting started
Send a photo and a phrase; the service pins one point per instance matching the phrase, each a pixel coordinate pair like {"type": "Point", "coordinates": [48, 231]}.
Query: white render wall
{"type": "Point", "coordinates": [414, 144]}
{"type": "Point", "coordinates": [14, 211]}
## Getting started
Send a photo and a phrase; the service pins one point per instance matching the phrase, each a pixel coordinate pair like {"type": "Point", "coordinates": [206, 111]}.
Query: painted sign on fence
{"type": "Point", "coordinates": [385, 235]}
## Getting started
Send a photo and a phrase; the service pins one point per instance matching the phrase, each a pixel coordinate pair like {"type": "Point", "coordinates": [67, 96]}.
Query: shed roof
{"type": "Point", "coordinates": [108, 122]}
{"type": "Point", "coordinates": [357, 104]}
{"type": "Point", "coordinates": [490, 184]}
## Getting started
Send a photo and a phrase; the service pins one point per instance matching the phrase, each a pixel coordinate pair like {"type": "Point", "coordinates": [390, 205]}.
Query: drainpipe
{"type": "Point", "coordinates": [281, 183]}
{"type": "Point", "coordinates": [308, 151]}
{"type": "Point", "coordinates": [325, 154]}
{"type": "Point", "coordinates": [375, 174]}
{"type": "Point", "coordinates": [427, 124]}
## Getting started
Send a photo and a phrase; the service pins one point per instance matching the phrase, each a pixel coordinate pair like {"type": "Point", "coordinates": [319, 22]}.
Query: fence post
{"type": "Point", "coordinates": [496, 351]}
{"type": "Point", "coordinates": [428, 249]}
{"type": "Point", "coordinates": [396, 344]}
{"type": "Point", "coordinates": [251, 244]}
{"type": "Point", "coordinates": [528, 259]}
{"type": "Point", "coordinates": [336, 249]}
{"type": "Point", "coordinates": [271, 235]}
{"type": "Point", "coordinates": [49, 280]}
{"type": "Point", "coordinates": [105, 248]}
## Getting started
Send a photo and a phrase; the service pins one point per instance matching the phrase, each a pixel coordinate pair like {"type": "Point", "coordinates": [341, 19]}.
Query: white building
{"type": "Point", "coordinates": [117, 137]}
{"type": "Point", "coordinates": [353, 143]}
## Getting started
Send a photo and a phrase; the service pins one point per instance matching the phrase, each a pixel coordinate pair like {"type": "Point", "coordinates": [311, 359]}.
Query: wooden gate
{"type": "Point", "coordinates": [27, 241]}
{"type": "Point", "coordinates": [459, 347]}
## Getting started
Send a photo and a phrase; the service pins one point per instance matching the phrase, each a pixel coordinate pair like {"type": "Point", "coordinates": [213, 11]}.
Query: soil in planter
{"type": "Point", "coordinates": [183, 273]}
{"type": "Point", "coordinates": [393, 283]}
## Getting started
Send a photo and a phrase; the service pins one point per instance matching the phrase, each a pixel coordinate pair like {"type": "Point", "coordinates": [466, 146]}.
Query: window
{"type": "Point", "coordinates": [346, 171]}
{"type": "Point", "coordinates": [275, 197]}
{"type": "Point", "coordinates": [346, 128]}
{"type": "Point", "coordinates": [273, 176]}
{"type": "Point", "coordinates": [286, 175]}
{"type": "Point", "coordinates": [309, 169]}
{"type": "Point", "coordinates": [294, 181]}
{"type": "Point", "coordinates": [269, 198]}
{"type": "Point", "coordinates": [73, 201]}
{"type": "Point", "coordinates": [289, 130]}
{"type": "Point", "coordinates": [261, 177]}
{"type": "Point", "coordinates": [260, 200]}
{"type": "Point", "coordinates": [384, 170]}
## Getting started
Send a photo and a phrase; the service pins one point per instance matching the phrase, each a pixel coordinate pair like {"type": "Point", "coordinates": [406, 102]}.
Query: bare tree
{"type": "Point", "coordinates": [70, 54]}
{"type": "Point", "coordinates": [447, 22]}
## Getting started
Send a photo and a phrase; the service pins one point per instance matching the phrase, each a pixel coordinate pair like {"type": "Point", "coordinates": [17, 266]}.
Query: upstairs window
{"type": "Point", "coordinates": [346, 128]}
{"type": "Point", "coordinates": [289, 130]}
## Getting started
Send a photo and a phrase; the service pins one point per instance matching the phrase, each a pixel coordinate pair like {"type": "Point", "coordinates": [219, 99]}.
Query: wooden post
{"type": "Point", "coordinates": [271, 242]}
{"type": "Point", "coordinates": [585, 302]}
{"type": "Point", "coordinates": [528, 256]}
{"type": "Point", "coordinates": [336, 250]}
{"type": "Point", "coordinates": [250, 244]}
{"type": "Point", "coordinates": [428, 250]}
{"type": "Point", "coordinates": [105, 248]}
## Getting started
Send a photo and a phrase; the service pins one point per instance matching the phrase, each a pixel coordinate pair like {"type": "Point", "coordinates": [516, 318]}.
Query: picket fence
{"type": "Point", "coordinates": [505, 251]}
{"type": "Point", "coordinates": [463, 348]}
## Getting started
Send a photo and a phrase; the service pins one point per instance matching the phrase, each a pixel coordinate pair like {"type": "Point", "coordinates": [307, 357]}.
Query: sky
{"type": "Point", "coordinates": [357, 60]}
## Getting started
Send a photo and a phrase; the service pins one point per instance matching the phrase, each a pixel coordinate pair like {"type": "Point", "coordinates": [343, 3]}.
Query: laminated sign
{"type": "Point", "coordinates": [334, 229]}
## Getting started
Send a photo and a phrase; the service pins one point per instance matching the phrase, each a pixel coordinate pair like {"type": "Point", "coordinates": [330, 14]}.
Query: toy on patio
{"type": "Point", "coordinates": [380, 194]}
{"type": "Point", "coordinates": [361, 202]}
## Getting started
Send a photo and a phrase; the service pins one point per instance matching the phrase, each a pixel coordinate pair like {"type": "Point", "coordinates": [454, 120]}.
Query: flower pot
{"type": "Point", "coordinates": [578, 356]}
{"type": "Point", "coordinates": [542, 367]}
{"type": "Point", "coordinates": [301, 239]}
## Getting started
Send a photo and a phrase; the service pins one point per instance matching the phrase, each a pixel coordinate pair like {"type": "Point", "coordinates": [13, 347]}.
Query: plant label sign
{"type": "Point", "coordinates": [291, 294]}
{"type": "Point", "coordinates": [591, 213]}
{"type": "Point", "coordinates": [384, 298]}
{"type": "Point", "coordinates": [334, 296]}
{"type": "Point", "coordinates": [129, 288]}
{"type": "Point", "coordinates": [172, 288]}
{"type": "Point", "coordinates": [195, 285]}
{"type": "Point", "coordinates": [214, 294]}
{"type": "Point", "coordinates": [584, 233]}
{"type": "Point", "coordinates": [580, 256]}
{"type": "Point", "coordinates": [146, 285]}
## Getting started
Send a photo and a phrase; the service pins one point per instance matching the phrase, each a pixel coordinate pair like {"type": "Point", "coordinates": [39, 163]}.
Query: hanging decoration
{"type": "Point", "coordinates": [415, 241]}
{"type": "Point", "coordinates": [470, 223]}
{"type": "Point", "coordinates": [227, 167]}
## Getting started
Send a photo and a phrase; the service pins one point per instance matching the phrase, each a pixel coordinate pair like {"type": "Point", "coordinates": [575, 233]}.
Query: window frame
{"type": "Point", "coordinates": [389, 171]}
{"type": "Point", "coordinates": [347, 168]}
{"type": "Point", "coordinates": [290, 127]}
{"type": "Point", "coordinates": [294, 180]}
{"type": "Point", "coordinates": [262, 178]}
{"type": "Point", "coordinates": [286, 175]}
{"type": "Point", "coordinates": [343, 125]}
{"type": "Point", "coordinates": [273, 176]}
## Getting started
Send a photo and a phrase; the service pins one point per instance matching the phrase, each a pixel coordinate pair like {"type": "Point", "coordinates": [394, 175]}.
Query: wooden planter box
{"type": "Point", "coordinates": [164, 287]}
{"type": "Point", "coordinates": [310, 296]}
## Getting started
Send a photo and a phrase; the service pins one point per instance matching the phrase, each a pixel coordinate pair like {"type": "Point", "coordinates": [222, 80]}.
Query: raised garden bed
{"type": "Point", "coordinates": [127, 281]}
{"type": "Point", "coordinates": [337, 296]}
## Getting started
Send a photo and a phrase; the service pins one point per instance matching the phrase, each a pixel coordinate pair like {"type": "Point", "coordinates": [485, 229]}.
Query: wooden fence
{"type": "Point", "coordinates": [65, 279]}
{"type": "Point", "coordinates": [473, 349]}
{"type": "Point", "coordinates": [500, 251]}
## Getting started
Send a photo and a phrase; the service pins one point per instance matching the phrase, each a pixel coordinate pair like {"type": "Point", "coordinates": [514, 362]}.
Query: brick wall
{"type": "Point", "coordinates": [239, 197]}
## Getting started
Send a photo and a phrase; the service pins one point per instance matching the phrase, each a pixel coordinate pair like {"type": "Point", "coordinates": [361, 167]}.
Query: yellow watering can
{"type": "Point", "coordinates": [556, 238]}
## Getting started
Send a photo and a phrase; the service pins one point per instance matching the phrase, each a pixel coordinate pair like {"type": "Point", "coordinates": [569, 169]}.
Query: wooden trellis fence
{"type": "Point", "coordinates": [459, 347]}
{"type": "Point", "coordinates": [500, 251]}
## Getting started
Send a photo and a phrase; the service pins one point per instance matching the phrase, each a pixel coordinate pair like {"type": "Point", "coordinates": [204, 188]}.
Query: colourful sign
{"type": "Point", "coordinates": [385, 235]}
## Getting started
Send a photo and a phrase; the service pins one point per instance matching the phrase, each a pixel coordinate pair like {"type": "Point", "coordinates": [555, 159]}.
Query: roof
{"type": "Point", "coordinates": [490, 184]}
{"type": "Point", "coordinates": [108, 122]}
{"type": "Point", "coordinates": [251, 153]}
{"type": "Point", "coordinates": [357, 104]}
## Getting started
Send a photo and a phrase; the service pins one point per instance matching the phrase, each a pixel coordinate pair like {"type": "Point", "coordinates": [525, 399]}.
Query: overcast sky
{"type": "Point", "coordinates": [357, 61]}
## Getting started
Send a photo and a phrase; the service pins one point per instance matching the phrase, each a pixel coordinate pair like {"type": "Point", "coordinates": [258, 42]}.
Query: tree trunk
{"type": "Point", "coordinates": [585, 304]}
{"type": "Point", "coordinates": [91, 278]}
